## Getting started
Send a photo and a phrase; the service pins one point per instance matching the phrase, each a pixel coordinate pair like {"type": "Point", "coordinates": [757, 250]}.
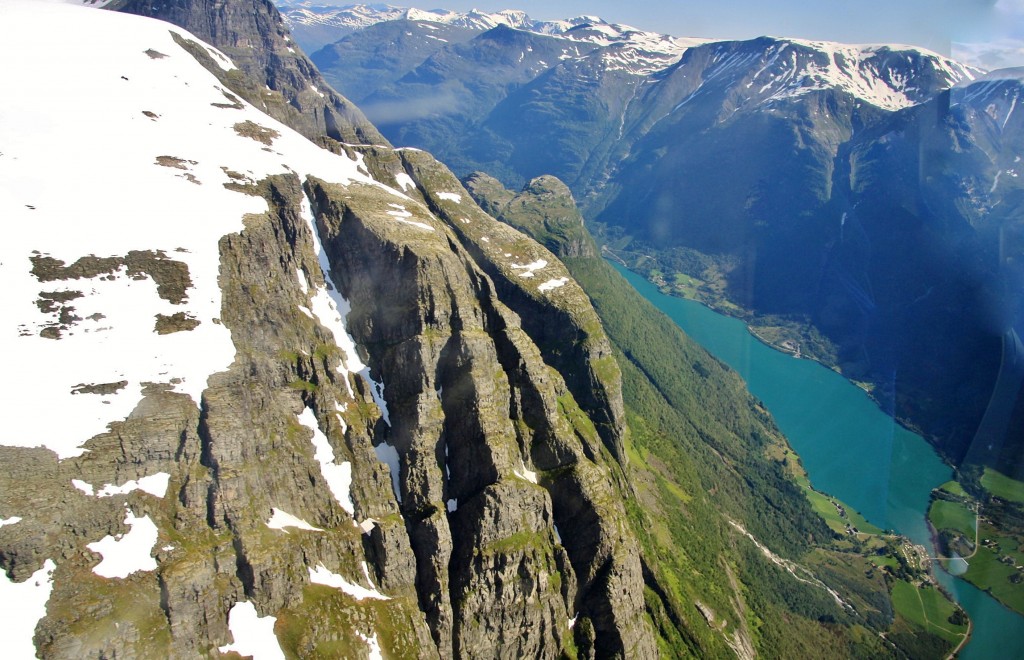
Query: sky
{"type": "Point", "coordinates": [985, 33]}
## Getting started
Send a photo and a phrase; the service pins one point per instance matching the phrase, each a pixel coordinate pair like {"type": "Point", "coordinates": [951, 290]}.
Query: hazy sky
{"type": "Point", "coordinates": [970, 29]}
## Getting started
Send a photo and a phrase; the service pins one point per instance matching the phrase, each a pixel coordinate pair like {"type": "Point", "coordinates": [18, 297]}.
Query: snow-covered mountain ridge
{"type": "Point", "coordinates": [142, 132]}
{"type": "Point", "coordinates": [882, 75]}
{"type": "Point", "coordinates": [518, 104]}
{"type": "Point", "coordinates": [769, 70]}
{"type": "Point", "coordinates": [359, 16]}
{"type": "Point", "coordinates": [641, 50]}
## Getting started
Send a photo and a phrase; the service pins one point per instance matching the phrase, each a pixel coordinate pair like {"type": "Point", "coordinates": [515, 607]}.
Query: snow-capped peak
{"type": "Point", "coordinates": [353, 17]}
{"type": "Point", "coordinates": [887, 76]}
{"type": "Point", "coordinates": [473, 19]}
{"type": "Point", "coordinates": [625, 48]}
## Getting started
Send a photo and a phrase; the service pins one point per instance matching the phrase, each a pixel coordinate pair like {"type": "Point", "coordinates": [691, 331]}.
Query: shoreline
{"type": "Point", "coordinates": [967, 638]}
{"type": "Point", "coordinates": [995, 618]}
{"type": "Point", "coordinates": [902, 422]}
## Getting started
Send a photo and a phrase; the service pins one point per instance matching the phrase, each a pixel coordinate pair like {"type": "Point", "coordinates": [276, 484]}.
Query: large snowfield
{"type": "Point", "coordinates": [113, 143]}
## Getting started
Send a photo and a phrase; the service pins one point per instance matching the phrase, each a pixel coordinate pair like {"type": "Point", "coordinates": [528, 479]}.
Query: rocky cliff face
{"type": "Point", "coordinates": [387, 455]}
{"type": "Point", "coordinates": [495, 453]}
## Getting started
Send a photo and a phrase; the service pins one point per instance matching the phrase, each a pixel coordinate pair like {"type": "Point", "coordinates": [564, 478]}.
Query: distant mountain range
{"type": "Point", "coordinates": [314, 26]}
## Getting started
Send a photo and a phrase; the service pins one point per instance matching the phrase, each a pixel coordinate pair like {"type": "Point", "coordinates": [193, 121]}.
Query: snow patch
{"type": "Point", "coordinates": [282, 520]}
{"type": "Point", "coordinates": [129, 553]}
{"type": "Point", "coordinates": [254, 635]}
{"type": "Point", "coordinates": [453, 505]}
{"type": "Point", "coordinates": [13, 520]}
{"type": "Point", "coordinates": [414, 223]}
{"type": "Point", "coordinates": [553, 284]}
{"type": "Point", "coordinates": [405, 181]}
{"type": "Point", "coordinates": [530, 269]}
{"type": "Point", "coordinates": [22, 605]}
{"type": "Point", "coordinates": [338, 477]}
{"type": "Point", "coordinates": [154, 484]}
{"type": "Point", "coordinates": [341, 408]}
{"type": "Point", "coordinates": [83, 486]}
{"type": "Point", "coordinates": [320, 575]}
{"type": "Point", "coordinates": [523, 473]}
{"type": "Point", "coordinates": [371, 641]}
{"type": "Point", "coordinates": [377, 392]}
{"type": "Point", "coordinates": [451, 197]}
{"type": "Point", "coordinates": [401, 215]}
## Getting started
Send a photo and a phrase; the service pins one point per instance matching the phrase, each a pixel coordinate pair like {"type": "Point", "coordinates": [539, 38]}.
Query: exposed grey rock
{"type": "Point", "coordinates": [473, 408]}
{"type": "Point", "coordinates": [561, 321]}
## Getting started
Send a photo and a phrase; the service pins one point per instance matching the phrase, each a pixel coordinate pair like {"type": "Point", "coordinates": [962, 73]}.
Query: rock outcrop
{"type": "Point", "coordinates": [552, 307]}
{"type": "Point", "coordinates": [544, 209]}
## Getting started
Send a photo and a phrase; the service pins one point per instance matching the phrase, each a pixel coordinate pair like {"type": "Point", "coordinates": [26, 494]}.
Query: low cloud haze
{"type": "Point", "coordinates": [999, 43]}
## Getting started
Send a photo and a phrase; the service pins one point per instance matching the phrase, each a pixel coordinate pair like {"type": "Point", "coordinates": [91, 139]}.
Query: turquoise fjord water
{"type": "Point", "coordinates": [850, 448]}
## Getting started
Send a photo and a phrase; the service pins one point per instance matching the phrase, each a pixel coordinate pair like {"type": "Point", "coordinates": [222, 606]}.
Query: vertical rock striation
{"type": "Point", "coordinates": [495, 452]}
